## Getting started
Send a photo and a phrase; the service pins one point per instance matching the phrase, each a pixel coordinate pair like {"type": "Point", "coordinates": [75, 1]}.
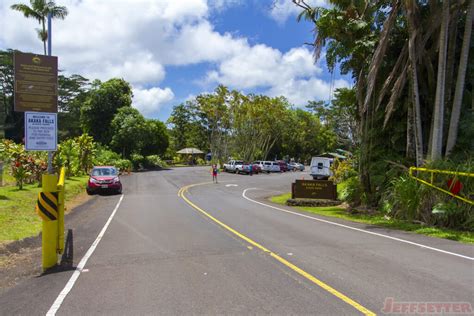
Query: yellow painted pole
{"type": "Point", "coordinates": [61, 192]}
{"type": "Point", "coordinates": [50, 228]}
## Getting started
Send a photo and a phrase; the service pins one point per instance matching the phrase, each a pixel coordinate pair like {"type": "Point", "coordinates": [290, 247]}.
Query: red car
{"type": "Point", "coordinates": [283, 165]}
{"type": "Point", "coordinates": [256, 168]}
{"type": "Point", "coordinates": [104, 178]}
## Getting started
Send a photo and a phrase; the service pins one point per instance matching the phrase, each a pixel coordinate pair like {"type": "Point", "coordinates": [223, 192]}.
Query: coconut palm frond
{"type": "Point", "coordinates": [377, 58]}
{"type": "Point", "coordinates": [59, 12]}
{"type": "Point", "coordinates": [27, 11]}
{"type": "Point", "coordinates": [395, 71]}
{"type": "Point", "coordinates": [396, 92]}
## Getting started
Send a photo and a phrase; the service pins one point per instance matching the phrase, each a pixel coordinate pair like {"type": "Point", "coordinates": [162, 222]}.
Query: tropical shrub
{"type": "Point", "coordinates": [138, 161]}
{"type": "Point", "coordinates": [87, 149]}
{"type": "Point", "coordinates": [404, 199]}
{"type": "Point", "coordinates": [67, 156]}
{"type": "Point", "coordinates": [154, 161]}
{"type": "Point", "coordinates": [350, 191]}
{"type": "Point", "coordinates": [343, 170]}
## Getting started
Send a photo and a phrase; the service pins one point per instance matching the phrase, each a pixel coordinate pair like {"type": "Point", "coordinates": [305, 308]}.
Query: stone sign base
{"type": "Point", "coordinates": [312, 202]}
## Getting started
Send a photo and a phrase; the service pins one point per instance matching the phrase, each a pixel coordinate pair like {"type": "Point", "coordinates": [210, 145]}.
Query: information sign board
{"type": "Point", "coordinates": [41, 130]}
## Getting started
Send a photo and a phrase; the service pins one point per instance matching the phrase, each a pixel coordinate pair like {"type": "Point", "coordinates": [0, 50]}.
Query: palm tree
{"type": "Point", "coordinates": [413, 32]}
{"type": "Point", "coordinates": [438, 120]}
{"type": "Point", "coordinates": [39, 11]}
{"type": "Point", "coordinates": [456, 111]}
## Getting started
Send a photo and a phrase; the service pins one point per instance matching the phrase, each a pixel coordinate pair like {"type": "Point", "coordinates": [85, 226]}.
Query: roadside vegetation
{"type": "Point", "coordinates": [18, 219]}
{"type": "Point", "coordinates": [379, 219]}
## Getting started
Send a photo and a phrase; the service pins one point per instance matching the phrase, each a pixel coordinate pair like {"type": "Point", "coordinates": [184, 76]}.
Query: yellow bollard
{"type": "Point", "coordinates": [61, 191]}
{"type": "Point", "coordinates": [49, 241]}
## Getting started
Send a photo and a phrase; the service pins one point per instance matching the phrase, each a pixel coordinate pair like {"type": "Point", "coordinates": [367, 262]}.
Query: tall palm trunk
{"type": "Point", "coordinates": [438, 121]}
{"type": "Point", "coordinates": [410, 4]}
{"type": "Point", "coordinates": [456, 111]}
{"type": "Point", "coordinates": [43, 37]}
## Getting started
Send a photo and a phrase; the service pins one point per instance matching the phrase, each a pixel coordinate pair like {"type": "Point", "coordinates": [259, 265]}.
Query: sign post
{"type": "Point", "coordinates": [36, 94]}
{"type": "Point", "coordinates": [36, 86]}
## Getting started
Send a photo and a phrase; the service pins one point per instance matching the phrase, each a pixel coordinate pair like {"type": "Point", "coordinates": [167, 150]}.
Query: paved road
{"type": "Point", "coordinates": [230, 255]}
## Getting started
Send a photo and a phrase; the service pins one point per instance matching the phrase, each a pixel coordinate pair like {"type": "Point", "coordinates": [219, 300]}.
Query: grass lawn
{"type": "Point", "coordinates": [18, 218]}
{"type": "Point", "coordinates": [379, 220]}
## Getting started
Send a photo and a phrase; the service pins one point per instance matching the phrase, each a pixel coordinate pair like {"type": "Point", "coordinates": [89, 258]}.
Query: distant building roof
{"type": "Point", "coordinates": [332, 155]}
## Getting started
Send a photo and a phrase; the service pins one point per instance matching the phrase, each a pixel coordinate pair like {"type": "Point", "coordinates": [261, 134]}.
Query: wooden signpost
{"type": "Point", "coordinates": [314, 189]}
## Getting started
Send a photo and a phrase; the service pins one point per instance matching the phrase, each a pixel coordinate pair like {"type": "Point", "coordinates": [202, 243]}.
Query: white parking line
{"type": "Point", "coordinates": [59, 300]}
{"type": "Point", "coordinates": [354, 228]}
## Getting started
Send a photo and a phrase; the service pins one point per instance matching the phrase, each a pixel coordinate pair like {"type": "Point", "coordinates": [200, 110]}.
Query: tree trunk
{"type": "Point", "coordinates": [437, 136]}
{"type": "Point", "coordinates": [410, 149]}
{"type": "Point", "coordinates": [414, 82]}
{"type": "Point", "coordinates": [44, 40]}
{"type": "Point", "coordinates": [451, 60]}
{"type": "Point", "coordinates": [456, 111]}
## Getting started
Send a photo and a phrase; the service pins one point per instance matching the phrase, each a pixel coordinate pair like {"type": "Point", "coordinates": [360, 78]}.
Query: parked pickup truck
{"type": "Point", "coordinates": [236, 166]}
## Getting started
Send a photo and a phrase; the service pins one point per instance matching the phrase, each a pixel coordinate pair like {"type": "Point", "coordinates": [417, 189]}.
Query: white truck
{"type": "Point", "coordinates": [236, 166]}
{"type": "Point", "coordinates": [320, 168]}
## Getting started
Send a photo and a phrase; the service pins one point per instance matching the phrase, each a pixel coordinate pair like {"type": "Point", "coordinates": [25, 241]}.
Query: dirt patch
{"type": "Point", "coordinates": [79, 199]}
{"type": "Point", "coordinates": [15, 267]}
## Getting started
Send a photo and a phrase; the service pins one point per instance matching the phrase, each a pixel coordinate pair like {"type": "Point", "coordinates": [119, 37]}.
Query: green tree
{"type": "Point", "coordinates": [155, 139]}
{"type": "Point", "coordinates": [39, 10]}
{"type": "Point", "coordinates": [72, 93]}
{"type": "Point", "coordinates": [101, 105]}
{"type": "Point", "coordinates": [180, 120]}
{"type": "Point", "coordinates": [128, 127]}
{"type": "Point", "coordinates": [7, 115]}
{"type": "Point", "coordinates": [340, 116]}
{"type": "Point", "coordinates": [394, 49]}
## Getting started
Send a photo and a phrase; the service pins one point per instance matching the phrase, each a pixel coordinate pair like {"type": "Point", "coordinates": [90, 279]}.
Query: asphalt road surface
{"type": "Point", "coordinates": [168, 247]}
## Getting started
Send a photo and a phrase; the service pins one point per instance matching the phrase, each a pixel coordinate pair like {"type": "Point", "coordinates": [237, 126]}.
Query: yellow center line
{"type": "Point", "coordinates": [285, 262]}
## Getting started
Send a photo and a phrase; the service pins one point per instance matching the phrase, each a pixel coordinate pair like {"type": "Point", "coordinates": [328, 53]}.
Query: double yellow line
{"type": "Point", "coordinates": [290, 265]}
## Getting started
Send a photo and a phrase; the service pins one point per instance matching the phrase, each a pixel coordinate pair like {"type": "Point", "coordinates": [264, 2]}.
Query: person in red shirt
{"type": "Point", "coordinates": [214, 173]}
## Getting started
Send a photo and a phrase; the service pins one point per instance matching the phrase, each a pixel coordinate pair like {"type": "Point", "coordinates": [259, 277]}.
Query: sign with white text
{"type": "Point", "coordinates": [41, 130]}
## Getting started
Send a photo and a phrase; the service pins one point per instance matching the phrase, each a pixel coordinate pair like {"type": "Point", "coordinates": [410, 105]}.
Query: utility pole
{"type": "Point", "coordinates": [50, 33]}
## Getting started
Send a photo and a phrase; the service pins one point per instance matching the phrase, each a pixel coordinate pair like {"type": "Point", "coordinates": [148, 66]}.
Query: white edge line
{"type": "Point", "coordinates": [354, 228]}
{"type": "Point", "coordinates": [59, 300]}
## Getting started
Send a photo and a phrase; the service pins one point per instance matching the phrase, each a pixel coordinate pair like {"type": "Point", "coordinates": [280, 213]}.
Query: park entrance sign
{"type": "Point", "coordinates": [36, 83]}
{"type": "Point", "coordinates": [41, 131]}
{"type": "Point", "coordinates": [314, 189]}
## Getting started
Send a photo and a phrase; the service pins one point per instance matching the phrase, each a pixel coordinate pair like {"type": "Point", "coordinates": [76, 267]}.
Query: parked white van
{"type": "Point", "coordinates": [321, 168]}
{"type": "Point", "coordinates": [270, 166]}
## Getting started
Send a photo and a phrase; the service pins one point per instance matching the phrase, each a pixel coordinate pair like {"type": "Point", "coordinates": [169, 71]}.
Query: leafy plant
{"type": "Point", "coordinates": [138, 161]}
{"type": "Point", "coordinates": [350, 191]}
{"type": "Point", "coordinates": [154, 161]}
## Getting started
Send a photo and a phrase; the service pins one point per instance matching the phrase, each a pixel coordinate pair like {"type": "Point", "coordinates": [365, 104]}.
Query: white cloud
{"type": "Point", "coordinates": [137, 39]}
{"type": "Point", "coordinates": [292, 74]}
{"type": "Point", "coordinates": [221, 5]}
{"type": "Point", "coordinates": [196, 43]}
{"type": "Point", "coordinates": [299, 92]}
{"type": "Point", "coordinates": [262, 66]}
{"type": "Point", "coordinates": [283, 9]}
{"type": "Point", "coordinates": [150, 101]}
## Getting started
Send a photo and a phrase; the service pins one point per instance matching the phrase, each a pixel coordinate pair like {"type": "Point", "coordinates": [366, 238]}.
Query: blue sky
{"type": "Point", "coordinates": [171, 50]}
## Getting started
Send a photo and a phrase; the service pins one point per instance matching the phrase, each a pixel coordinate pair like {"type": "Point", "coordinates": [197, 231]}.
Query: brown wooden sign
{"type": "Point", "coordinates": [36, 83]}
{"type": "Point", "coordinates": [314, 189]}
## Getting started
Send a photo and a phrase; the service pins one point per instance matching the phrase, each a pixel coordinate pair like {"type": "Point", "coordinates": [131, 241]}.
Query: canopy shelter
{"type": "Point", "coordinates": [191, 152]}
